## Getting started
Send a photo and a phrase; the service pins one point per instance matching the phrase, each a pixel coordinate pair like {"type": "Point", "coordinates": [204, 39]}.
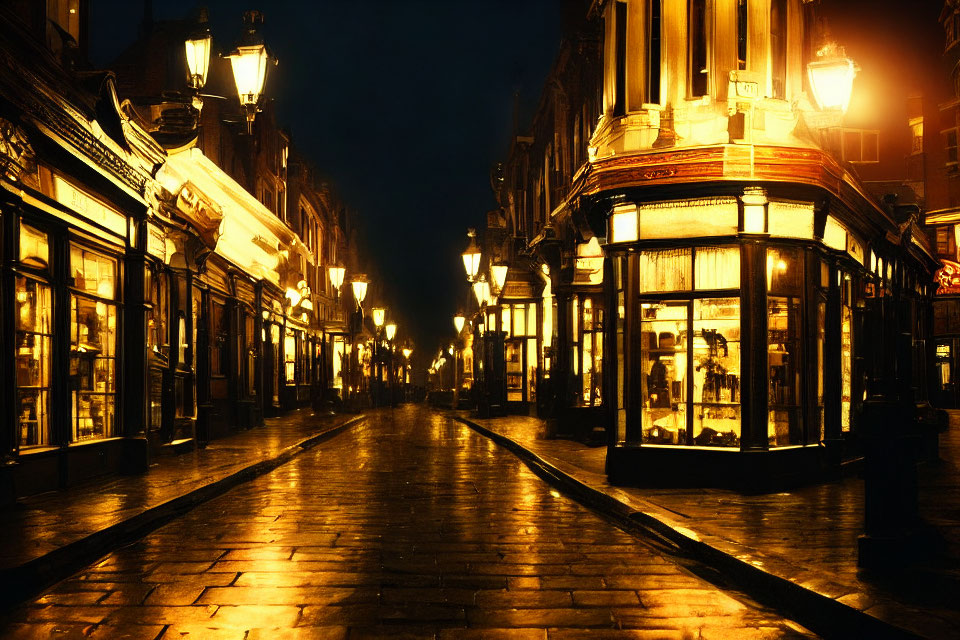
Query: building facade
{"type": "Point", "coordinates": [720, 275]}
{"type": "Point", "coordinates": [163, 273]}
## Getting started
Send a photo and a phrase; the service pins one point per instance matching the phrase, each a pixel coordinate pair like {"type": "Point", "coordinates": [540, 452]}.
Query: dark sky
{"type": "Point", "coordinates": [404, 105]}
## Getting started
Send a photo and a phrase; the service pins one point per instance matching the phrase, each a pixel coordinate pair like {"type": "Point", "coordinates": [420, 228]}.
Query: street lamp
{"type": "Point", "coordinates": [458, 322]}
{"type": "Point", "coordinates": [498, 276]}
{"type": "Point", "coordinates": [471, 257]}
{"type": "Point", "coordinates": [336, 277]}
{"type": "Point", "coordinates": [197, 48]}
{"type": "Point", "coordinates": [831, 78]}
{"type": "Point", "coordinates": [359, 285]}
{"type": "Point", "coordinates": [379, 315]}
{"type": "Point", "coordinates": [481, 289]}
{"type": "Point", "coordinates": [391, 330]}
{"type": "Point", "coordinates": [249, 61]}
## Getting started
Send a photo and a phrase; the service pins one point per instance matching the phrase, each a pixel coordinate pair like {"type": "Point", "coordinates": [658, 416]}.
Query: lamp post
{"type": "Point", "coordinates": [471, 257]}
{"type": "Point", "coordinates": [831, 77]}
{"type": "Point", "coordinates": [390, 331]}
{"type": "Point", "coordinates": [379, 315]}
{"type": "Point", "coordinates": [249, 61]}
{"type": "Point", "coordinates": [197, 49]}
{"type": "Point", "coordinates": [359, 286]}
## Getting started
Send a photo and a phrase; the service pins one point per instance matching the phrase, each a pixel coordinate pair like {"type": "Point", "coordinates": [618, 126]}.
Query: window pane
{"type": "Point", "coordinates": [663, 359]}
{"type": "Point", "coordinates": [665, 270]}
{"type": "Point", "coordinates": [93, 273]}
{"type": "Point", "coordinates": [34, 247]}
{"type": "Point", "coordinates": [717, 268]}
{"type": "Point", "coordinates": [784, 271]}
{"type": "Point", "coordinates": [783, 359]}
{"type": "Point", "coordinates": [33, 361]}
{"type": "Point", "coordinates": [93, 334]}
{"type": "Point", "coordinates": [716, 372]}
{"type": "Point", "coordinates": [519, 320]}
{"type": "Point", "coordinates": [532, 320]}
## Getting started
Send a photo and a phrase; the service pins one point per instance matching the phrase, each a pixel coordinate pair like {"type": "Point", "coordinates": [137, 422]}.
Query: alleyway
{"type": "Point", "coordinates": [407, 524]}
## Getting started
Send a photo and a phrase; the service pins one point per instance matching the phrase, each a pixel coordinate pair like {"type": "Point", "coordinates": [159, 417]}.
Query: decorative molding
{"type": "Point", "coordinates": [16, 155]}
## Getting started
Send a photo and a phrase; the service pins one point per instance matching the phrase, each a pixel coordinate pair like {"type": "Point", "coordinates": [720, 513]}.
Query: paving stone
{"type": "Point", "coordinates": [408, 526]}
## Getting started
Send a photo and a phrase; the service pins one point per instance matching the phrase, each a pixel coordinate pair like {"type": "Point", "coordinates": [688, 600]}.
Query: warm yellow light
{"type": "Point", "coordinates": [458, 322]}
{"type": "Point", "coordinates": [450, 349]}
{"type": "Point", "coordinates": [831, 78]}
{"type": "Point", "coordinates": [294, 296]}
{"type": "Point", "coordinates": [249, 65]}
{"type": "Point", "coordinates": [198, 59]}
{"type": "Point", "coordinates": [754, 210]}
{"type": "Point", "coordinates": [379, 315]}
{"type": "Point", "coordinates": [471, 257]}
{"type": "Point", "coordinates": [624, 223]}
{"type": "Point", "coordinates": [406, 352]}
{"type": "Point", "coordinates": [359, 285]}
{"type": "Point", "coordinates": [391, 330]}
{"type": "Point", "coordinates": [498, 274]}
{"type": "Point", "coordinates": [481, 289]}
{"type": "Point", "coordinates": [336, 276]}
{"type": "Point", "coordinates": [306, 304]}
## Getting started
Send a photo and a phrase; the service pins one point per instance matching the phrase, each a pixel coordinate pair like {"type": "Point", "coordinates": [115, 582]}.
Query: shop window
{"type": "Point", "coordinates": [591, 354]}
{"type": "Point", "coordinates": [846, 352]}
{"type": "Point", "coordinates": [275, 357]}
{"type": "Point", "coordinates": [916, 135]}
{"type": "Point", "coordinates": [514, 370]}
{"type": "Point", "coordinates": [668, 270]}
{"type": "Point", "coordinates": [34, 247]}
{"type": "Point", "coordinates": [156, 285]}
{"type": "Point", "coordinates": [717, 268]}
{"type": "Point", "coordinates": [249, 353]}
{"type": "Point", "coordinates": [339, 364]}
{"type": "Point", "coordinates": [290, 357]}
{"type": "Point", "coordinates": [619, 269]}
{"type": "Point", "coordinates": [716, 372]}
{"type": "Point", "coordinates": [93, 340]}
{"type": "Point", "coordinates": [663, 363]}
{"type": "Point", "coordinates": [784, 271]}
{"type": "Point", "coordinates": [34, 337]}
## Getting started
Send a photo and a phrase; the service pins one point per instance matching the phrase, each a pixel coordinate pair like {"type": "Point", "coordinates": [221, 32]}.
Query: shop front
{"type": "Point", "coordinates": [739, 355]}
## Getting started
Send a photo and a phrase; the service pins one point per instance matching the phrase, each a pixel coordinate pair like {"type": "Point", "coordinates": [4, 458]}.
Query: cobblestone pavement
{"type": "Point", "coordinates": [806, 535]}
{"type": "Point", "coordinates": [42, 524]}
{"type": "Point", "coordinates": [409, 525]}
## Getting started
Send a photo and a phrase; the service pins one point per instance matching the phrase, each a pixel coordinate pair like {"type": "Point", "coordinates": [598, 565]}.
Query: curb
{"type": "Point", "coordinates": [22, 582]}
{"type": "Point", "coordinates": [821, 614]}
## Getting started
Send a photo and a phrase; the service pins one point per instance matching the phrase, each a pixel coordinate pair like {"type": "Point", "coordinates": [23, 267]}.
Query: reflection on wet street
{"type": "Point", "coordinates": [410, 524]}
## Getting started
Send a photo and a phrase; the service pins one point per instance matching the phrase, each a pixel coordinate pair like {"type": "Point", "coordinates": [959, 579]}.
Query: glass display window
{"type": "Point", "coordinates": [667, 270]}
{"type": "Point", "coordinates": [34, 247]}
{"type": "Point", "coordinates": [93, 342]}
{"type": "Point", "coordinates": [717, 268]}
{"type": "Point", "coordinates": [514, 370]}
{"type": "Point", "coordinates": [33, 324]}
{"type": "Point", "coordinates": [587, 340]}
{"type": "Point", "coordinates": [663, 364]}
{"type": "Point", "coordinates": [784, 331]}
{"type": "Point", "coordinates": [846, 353]}
{"type": "Point", "coordinates": [290, 357]}
{"type": "Point", "coordinates": [158, 295]}
{"type": "Point", "coordinates": [716, 372]}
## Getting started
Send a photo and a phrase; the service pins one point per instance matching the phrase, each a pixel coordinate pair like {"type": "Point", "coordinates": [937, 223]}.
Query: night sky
{"type": "Point", "coordinates": [406, 105]}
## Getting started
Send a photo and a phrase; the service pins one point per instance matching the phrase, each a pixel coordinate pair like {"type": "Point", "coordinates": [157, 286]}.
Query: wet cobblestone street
{"type": "Point", "coordinates": [409, 525]}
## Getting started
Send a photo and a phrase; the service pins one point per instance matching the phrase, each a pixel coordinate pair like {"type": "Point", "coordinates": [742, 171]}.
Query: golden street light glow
{"type": "Point", "coordinates": [198, 59]}
{"type": "Point", "coordinates": [336, 276]}
{"type": "Point", "coordinates": [379, 315]}
{"type": "Point", "coordinates": [471, 257]}
{"type": "Point", "coordinates": [498, 274]}
{"type": "Point", "coordinates": [391, 330]}
{"type": "Point", "coordinates": [359, 285]}
{"type": "Point", "coordinates": [481, 289]}
{"type": "Point", "coordinates": [249, 72]}
{"type": "Point", "coordinates": [831, 78]}
{"type": "Point", "coordinates": [624, 223]}
{"type": "Point", "coordinates": [406, 352]}
{"type": "Point", "coordinates": [458, 321]}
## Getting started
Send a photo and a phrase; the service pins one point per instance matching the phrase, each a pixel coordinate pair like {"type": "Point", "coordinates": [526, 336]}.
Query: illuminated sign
{"type": "Point", "coordinates": [943, 351]}
{"type": "Point", "coordinates": [948, 278]}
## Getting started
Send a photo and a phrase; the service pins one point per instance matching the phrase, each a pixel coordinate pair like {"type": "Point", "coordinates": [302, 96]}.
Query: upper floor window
{"type": "Point", "coordinates": [742, 34]}
{"type": "Point", "coordinates": [620, 81]}
{"type": "Point", "coordinates": [697, 37]}
{"type": "Point", "coordinates": [778, 48]}
{"type": "Point", "coordinates": [654, 51]}
{"type": "Point", "coordinates": [861, 145]}
{"type": "Point", "coordinates": [916, 135]}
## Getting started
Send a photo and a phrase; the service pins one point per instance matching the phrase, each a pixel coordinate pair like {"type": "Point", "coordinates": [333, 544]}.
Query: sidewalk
{"type": "Point", "coordinates": [797, 549]}
{"type": "Point", "coordinates": [45, 538]}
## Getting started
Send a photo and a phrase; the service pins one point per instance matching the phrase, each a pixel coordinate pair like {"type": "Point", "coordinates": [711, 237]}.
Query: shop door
{"type": "Point", "coordinates": [945, 386]}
